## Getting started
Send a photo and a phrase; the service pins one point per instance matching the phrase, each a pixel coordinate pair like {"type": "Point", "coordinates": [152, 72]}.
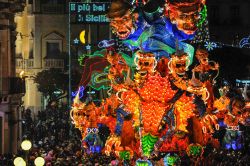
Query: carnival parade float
{"type": "Point", "coordinates": [159, 107]}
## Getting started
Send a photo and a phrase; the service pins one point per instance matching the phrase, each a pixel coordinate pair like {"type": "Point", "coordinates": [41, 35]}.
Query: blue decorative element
{"type": "Point", "coordinates": [94, 143]}
{"type": "Point", "coordinates": [106, 43]}
{"type": "Point", "coordinates": [91, 92]}
{"type": "Point", "coordinates": [234, 145]}
{"type": "Point", "coordinates": [76, 41]}
{"type": "Point", "coordinates": [233, 139]}
{"type": "Point", "coordinates": [95, 149]}
{"type": "Point", "coordinates": [88, 47]}
{"type": "Point", "coordinates": [210, 46]}
{"type": "Point", "coordinates": [81, 90]}
{"type": "Point", "coordinates": [156, 36]}
{"type": "Point", "coordinates": [141, 162]}
{"type": "Point", "coordinates": [245, 42]}
{"type": "Point", "coordinates": [243, 81]}
{"type": "Point", "coordinates": [228, 146]}
{"type": "Point", "coordinates": [222, 124]}
{"type": "Point", "coordinates": [171, 160]}
{"type": "Point", "coordinates": [120, 115]}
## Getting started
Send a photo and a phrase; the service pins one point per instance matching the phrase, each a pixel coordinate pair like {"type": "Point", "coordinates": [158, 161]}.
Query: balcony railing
{"type": "Point", "coordinates": [24, 63]}
{"type": "Point", "coordinates": [53, 63]}
{"type": "Point", "coordinates": [52, 8]}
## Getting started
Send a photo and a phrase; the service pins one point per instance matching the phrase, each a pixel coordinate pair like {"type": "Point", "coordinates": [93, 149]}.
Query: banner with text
{"type": "Point", "coordinates": [88, 12]}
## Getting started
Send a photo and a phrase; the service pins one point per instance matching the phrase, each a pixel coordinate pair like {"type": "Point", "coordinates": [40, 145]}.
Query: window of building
{"type": "Point", "coordinates": [235, 11]}
{"type": "Point", "coordinates": [52, 45]}
{"type": "Point", "coordinates": [31, 55]}
{"type": "Point", "coordinates": [52, 49]}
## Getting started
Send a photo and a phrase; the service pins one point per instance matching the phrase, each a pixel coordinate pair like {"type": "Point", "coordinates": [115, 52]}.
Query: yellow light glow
{"type": "Point", "coordinates": [26, 145]}
{"type": "Point", "coordinates": [39, 161]}
{"type": "Point", "coordinates": [21, 74]}
{"type": "Point", "coordinates": [18, 161]}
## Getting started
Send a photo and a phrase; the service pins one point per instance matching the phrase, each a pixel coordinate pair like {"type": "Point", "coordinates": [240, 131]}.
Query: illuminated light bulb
{"type": "Point", "coordinates": [19, 161]}
{"type": "Point", "coordinates": [26, 145]}
{"type": "Point", "coordinates": [39, 161]}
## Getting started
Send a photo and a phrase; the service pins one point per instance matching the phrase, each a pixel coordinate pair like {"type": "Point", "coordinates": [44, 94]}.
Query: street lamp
{"type": "Point", "coordinates": [19, 161]}
{"type": "Point", "coordinates": [26, 145]}
{"type": "Point", "coordinates": [39, 161]}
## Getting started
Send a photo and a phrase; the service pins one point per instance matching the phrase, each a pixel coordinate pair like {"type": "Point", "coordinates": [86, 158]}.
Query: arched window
{"type": "Point", "coordinates": [52, 45]}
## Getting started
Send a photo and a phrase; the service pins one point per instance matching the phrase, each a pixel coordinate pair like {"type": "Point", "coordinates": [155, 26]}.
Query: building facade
{"type": "Point", "coordinates": [43, 42]}
{"type": "Point", "coordinates": [10, 86]}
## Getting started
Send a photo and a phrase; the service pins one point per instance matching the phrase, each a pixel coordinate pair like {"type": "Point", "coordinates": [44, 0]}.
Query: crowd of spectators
{"type": "Point", "coordinates": [59, 143]}
{"type": "Point", "coordinates": [50, 137]}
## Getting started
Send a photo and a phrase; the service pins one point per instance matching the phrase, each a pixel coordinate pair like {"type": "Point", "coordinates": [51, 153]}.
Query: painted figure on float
{"type": "Point", "coordinates": [150, 111]}
{"type": "Point", "coordinates": [183, 17]}
{"type": "Point", "coordinates": [140, 29]}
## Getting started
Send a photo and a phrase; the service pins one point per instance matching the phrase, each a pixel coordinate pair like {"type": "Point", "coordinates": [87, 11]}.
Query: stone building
{"type": "Point", "coordinates": [11, 89]}
{"type": "Point", "coordinates": [43, 42]}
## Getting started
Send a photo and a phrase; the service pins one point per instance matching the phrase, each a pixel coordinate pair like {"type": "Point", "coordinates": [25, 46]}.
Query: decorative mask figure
{"type": "Point", "coordinates": [185, 14]}
{"type": "Point", "coordinates": [122, 18]}
{"type": "Point", "coordinates": [179, 63]}
{"type": "Point", "coordinates": [145, 62]}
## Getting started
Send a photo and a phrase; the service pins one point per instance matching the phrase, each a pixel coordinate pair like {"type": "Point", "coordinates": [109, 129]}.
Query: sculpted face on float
{"type": "Point", "coordinates": [186, 22]}
{"type": "Point", "coordinates": [123, 26]}
{"type": "Point", "coordinates": [179, 63]}
{"type": "Point", "coordinates": [185, 14]}
{"type": "Point", "coordinates": [122, 19]}
{"type": "Point", "coordinates": [202, 56]}
{"type": "Point", "coordinates": [145, 62]}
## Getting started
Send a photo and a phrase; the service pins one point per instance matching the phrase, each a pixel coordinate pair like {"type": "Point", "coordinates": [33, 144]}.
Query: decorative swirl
{"type": "Point", "coordinates": [217, 74]}
{"type": "Point", "coordinates": [71, 116]}
{"type": "Point", "coordinates": [169, 66]}
{"type": "Point", "coordinates": [117, 94]}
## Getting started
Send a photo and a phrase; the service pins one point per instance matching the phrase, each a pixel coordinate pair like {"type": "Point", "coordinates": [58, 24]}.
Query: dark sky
{"type": "Point", "coordinates": [234, 62]}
